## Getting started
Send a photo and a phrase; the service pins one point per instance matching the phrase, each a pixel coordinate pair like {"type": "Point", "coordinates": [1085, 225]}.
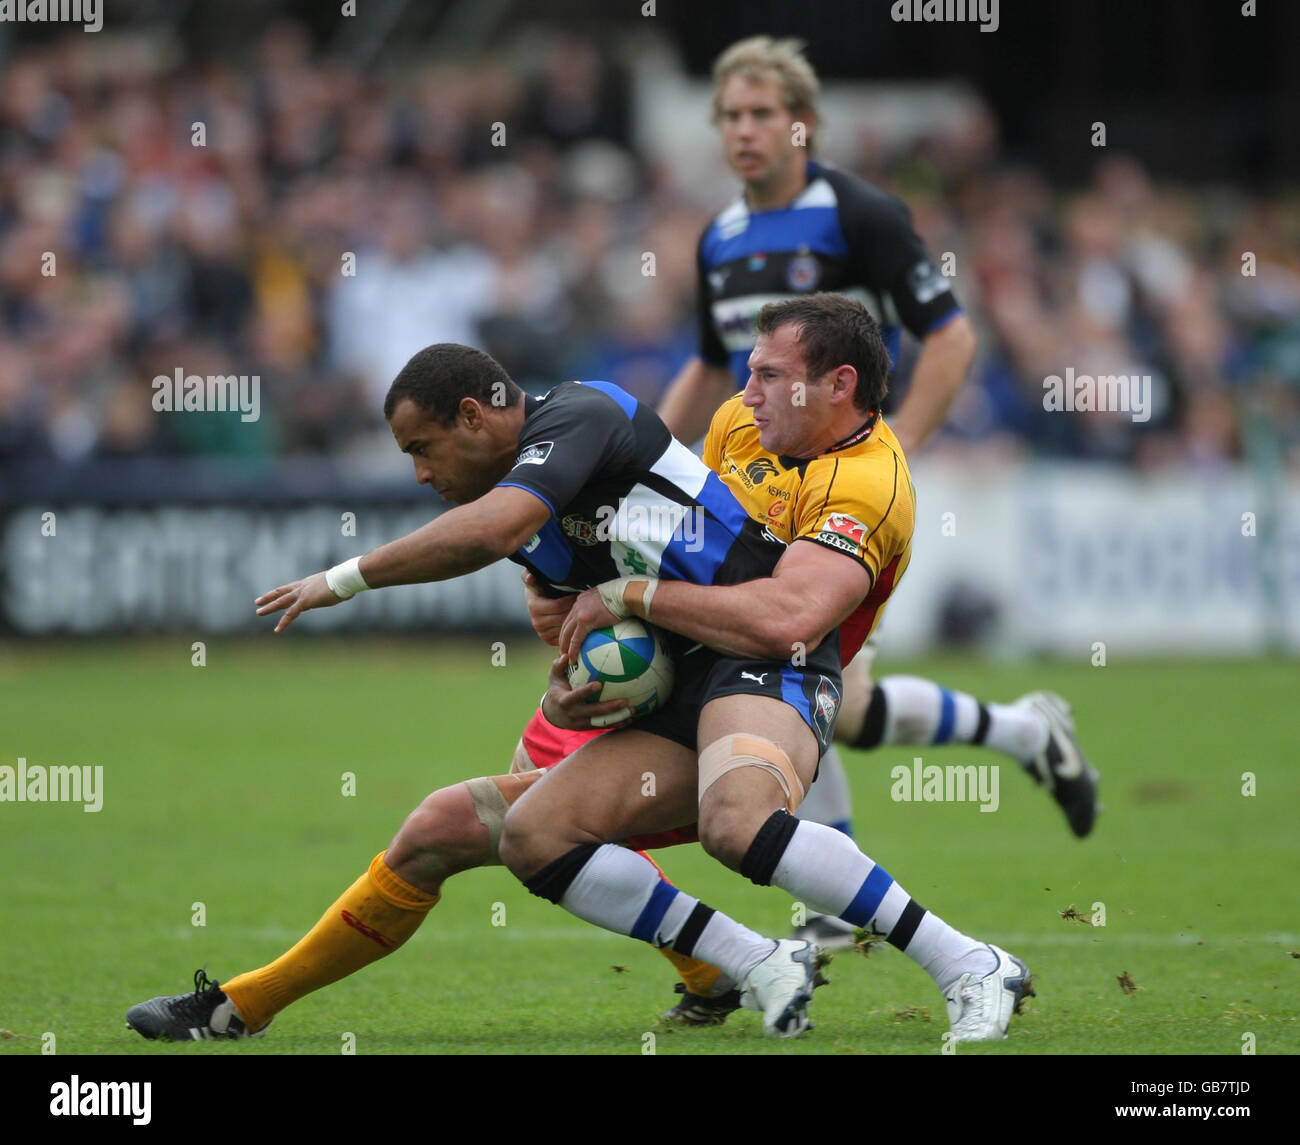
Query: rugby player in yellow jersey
{"type": "Point", "coordinates": [740, 738]}
{"type": "Point", "coordinates": [801, 225]}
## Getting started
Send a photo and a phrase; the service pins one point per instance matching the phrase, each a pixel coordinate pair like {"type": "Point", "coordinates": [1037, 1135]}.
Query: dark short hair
{"type": "Point", "coordinates": [834, 331]}
{"type": "Point", "coordinates": [438, 377]}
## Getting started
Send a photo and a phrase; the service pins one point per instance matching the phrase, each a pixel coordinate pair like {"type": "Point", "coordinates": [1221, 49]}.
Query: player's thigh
{"type": "Point", "coordinates": [744, 725]}
{"type": "Point", "coordinates": [625, 783]}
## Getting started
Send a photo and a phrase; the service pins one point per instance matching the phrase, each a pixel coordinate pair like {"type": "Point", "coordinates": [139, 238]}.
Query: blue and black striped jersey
{"type": "Point", "coordinates": [626, 497]}
{"type": "Point", "coordinates": [840, 234]}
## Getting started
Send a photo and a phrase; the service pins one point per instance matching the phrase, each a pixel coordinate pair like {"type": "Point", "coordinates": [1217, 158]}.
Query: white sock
{"type": "Point", "coordinates": [825, 870]}
{"type": "Point", "coordinates": [946, 954]}
{"type": "Point", "coordinates": [920, 712]}
{"type": "Point", "coordinates": [1017, 732]}
{"type": "Point", "coordinates": [622, 891]}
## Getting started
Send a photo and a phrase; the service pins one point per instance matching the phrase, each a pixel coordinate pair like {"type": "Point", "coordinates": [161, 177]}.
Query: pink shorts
{"type": "Point", "coordinates": [547, 745]}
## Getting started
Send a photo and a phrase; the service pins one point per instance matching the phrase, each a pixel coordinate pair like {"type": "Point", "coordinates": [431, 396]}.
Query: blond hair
{"type": "Point", "coordinates": [762, 57]}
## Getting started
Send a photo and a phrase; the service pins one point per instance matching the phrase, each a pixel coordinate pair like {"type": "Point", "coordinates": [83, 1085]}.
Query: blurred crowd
{"type": "Point", "coordinates": [300, 220]}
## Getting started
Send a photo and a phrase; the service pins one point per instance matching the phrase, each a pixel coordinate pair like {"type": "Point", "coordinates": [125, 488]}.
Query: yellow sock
{"type": "Point", "coordinates": [373, 917]}
{"type": "Point", "coordinates": [700, 977]}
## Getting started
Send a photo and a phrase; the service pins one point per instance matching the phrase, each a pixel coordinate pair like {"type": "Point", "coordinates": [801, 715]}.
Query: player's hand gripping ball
{"type": "Point", "coordinates": [631, 663]}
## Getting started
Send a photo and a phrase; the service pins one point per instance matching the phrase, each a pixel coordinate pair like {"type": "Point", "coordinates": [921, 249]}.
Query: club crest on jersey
{"type": "Point", "coordinates": [776, 510]}
{"type": "Point", "coordinates": [803, 272]}
{"type": "Point", "coordinates": [846, 526]}
{"type": "Point", "coordinates": [581, 530]}
{"type": "Point", "coordinates": [535, 454]}
{"type": "Point", "coordinates": [827, 701]}
{"type": "Point", "coordinates": [756, 262]}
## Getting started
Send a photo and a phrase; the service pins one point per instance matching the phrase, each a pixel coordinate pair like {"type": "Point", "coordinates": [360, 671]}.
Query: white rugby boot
{"type": "Point", "coordinates": [980, 1007]}
{"type": "Point", "coordinates": [781, 986]}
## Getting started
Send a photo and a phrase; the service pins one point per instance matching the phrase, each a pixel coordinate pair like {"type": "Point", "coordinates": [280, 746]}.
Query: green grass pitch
{"type": "Point", "coordinates": [223, 787]}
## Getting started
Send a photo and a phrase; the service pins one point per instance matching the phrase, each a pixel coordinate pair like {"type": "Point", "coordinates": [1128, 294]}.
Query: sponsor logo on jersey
{"type": "Point", "coordinates": [757, 679]}
{"type": "Point", "coordinates": [768, 535]}
{"type": "Point", "coordinates": [827, 700]}
{"type": "Point", "coordinates": [777, 491]}
{"type": "Point", "coordinates": [535, 454]}
{"type": "Point", "coordinates": [759, 469]}
{"type": "Point", "coordinates": [533, 542]}
{"type": "Point", "coordinates": [846, 526]}
{"type": "Point", "coordinates": [737, 327]}
{"type": "Point", "coordinates": [803, 272]}
{"type": "Point", "coordinates": [756, 262]}
{"type": "Point", "coordinates": [826, 537]}
{"type": "Point", "coordinates": [718, 278]}
{"type": "Point", "coordinates": [776, 510]}
{"type": "Point", "coordinates": [631, 561]}
{"type": "Point", "coordinates": [581, 530]}
{"type": "Point", "coordinates": [926, 281]}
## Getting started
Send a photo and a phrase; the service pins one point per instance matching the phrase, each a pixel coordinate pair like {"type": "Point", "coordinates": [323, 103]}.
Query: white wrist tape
{"type": "Point", "coordinates": [345, 580]}
{"type": "Point", "coordinates": [619, 596]}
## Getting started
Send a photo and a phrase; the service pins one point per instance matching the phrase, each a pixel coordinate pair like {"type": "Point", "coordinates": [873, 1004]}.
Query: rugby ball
{"type": "Point", "coordinates": [631, 662]}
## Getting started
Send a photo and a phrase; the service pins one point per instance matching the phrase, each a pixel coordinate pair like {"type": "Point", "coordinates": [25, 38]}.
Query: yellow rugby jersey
{"type": "Point", "coordinates": [856, 498]}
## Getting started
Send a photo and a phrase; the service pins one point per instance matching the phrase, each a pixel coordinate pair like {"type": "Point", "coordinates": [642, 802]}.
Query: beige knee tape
{"type": "Point", "coordinates": [733, 751]}
{"type": "Point", "coordinates": [490, 806]}
{"type": "Point", "coordinates": [521, 761]}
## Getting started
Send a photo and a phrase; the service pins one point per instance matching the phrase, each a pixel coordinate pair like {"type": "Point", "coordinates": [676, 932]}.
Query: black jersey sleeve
{"type": "Point", "coordinates": [712, 351]}
{"type": "Point", "coordinates": [890, 256]}
{"type": "Point", "coordinates": [574, 434]}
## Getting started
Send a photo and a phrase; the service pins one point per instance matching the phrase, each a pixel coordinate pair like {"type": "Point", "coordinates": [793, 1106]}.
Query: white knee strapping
{"type": "Point", "coordinates": [490, 806]}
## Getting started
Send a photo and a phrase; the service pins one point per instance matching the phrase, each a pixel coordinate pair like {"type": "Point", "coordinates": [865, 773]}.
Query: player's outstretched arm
{"type": "Point", "coordinates": [812, 590]}
{"type": "Point", "coordinates": [462, 540]}
{"type": "Point", "coordinates": [937, 377]}
{"type": "Point", "coordinates": [693, 397]}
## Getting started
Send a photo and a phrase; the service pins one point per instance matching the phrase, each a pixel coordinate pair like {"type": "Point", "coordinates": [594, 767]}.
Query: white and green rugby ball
{"type": "Point", "coordinates": [631, 663]}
